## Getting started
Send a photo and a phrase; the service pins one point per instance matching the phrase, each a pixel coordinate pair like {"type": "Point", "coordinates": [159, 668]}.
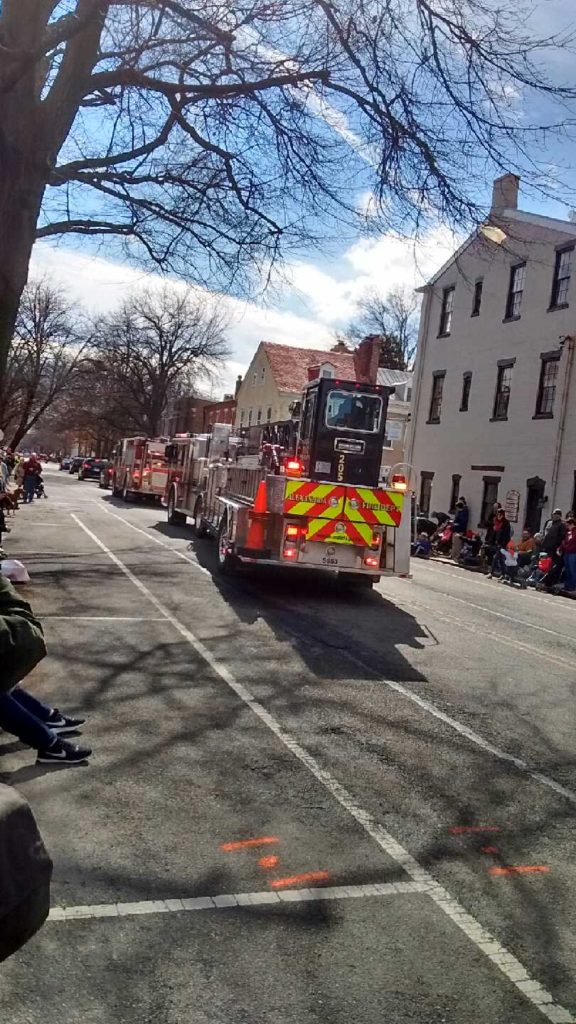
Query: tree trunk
{"type": "Point", "coordinates": [24, 171]}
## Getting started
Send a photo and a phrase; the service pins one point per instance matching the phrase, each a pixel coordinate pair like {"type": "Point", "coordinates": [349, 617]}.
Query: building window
{"type": "Point", "coordinates": [269, 414]}
{"type": "Point", "coordinates": [263, 375]}
{"type": "Point", "coordinates": [489, 497]}
{"type": "Point", "coordinates": [515, 291]}
{"type": "Point", "coordinates": [477, 301]}
{"type": "Point", "coordinates": [562, 274]}
{"type": "Point", "coordinates": [241, 416]}
{"type": "Point", "coordinates": [447, 309]}
{"type": "Point", "coordinates": [254, 379]}
{"type": "Point", "coordinates": [502, 396]}
{"type": "Point", "coordinates": [249, 417]}
{"type": "Point", "coordinates": [425, 492]}
{"type": "Point", "coordinates": [436, 397]}
{"type": "Point", "coordinates": [454, 491]}
{"type": "Point", "coordinates": [547, 386]}
{"type": "Point", "coordinates": [466, 385]}
{"type": "Point", "coordinates": [259, 416]}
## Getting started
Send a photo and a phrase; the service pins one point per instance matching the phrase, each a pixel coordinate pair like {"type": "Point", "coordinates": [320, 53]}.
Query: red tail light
{"type": "Point", "coordinates": [399, 482]}
{"type": "Point", "coordinates": [86, 465]}
{"type": "Point", "coordinates": [293, 467]}
{"type": "Point", "coordinates": [136, 474]}
{"type": "Point", "coordinates": [371, 562]}
{"type": "Point", "coordinates": [290, 552]}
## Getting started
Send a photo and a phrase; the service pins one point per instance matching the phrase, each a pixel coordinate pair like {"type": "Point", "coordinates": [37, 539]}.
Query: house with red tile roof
{"type": "Point", "coordinates": [278, 373]}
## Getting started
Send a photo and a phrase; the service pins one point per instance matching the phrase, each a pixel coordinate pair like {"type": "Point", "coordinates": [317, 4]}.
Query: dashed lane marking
{"type": "Point", "coordinates": [498, 955]}
{"type": "Point", "coordinates": [156, 540]}
{"type": "Point", "coordinates": [237, 899]}
{"type": "Point", "coordinates": [520, 869]}
{"type": "Point", "coordinates": [247, 844]}
{"type": "Point", "coordinates": [292, 880]}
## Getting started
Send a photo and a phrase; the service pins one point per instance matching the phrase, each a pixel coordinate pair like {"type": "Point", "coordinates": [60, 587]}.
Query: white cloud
{"type": "Point", "coordinates": [328, 300]}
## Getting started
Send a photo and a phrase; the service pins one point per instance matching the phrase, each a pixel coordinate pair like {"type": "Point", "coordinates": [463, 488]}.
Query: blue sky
{"type": "Point", "coordinates": [321, 289]}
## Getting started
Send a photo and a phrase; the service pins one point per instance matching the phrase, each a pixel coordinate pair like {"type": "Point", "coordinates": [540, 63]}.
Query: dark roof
{"type": "Point", "coordinates": [290, 364]}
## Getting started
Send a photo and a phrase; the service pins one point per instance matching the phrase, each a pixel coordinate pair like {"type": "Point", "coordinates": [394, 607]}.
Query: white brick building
{"type": "Point", "coordinates": [494, 401]}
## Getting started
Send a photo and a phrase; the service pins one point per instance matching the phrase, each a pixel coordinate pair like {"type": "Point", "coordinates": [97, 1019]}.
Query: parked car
{"type": "Point", "coordinates": [75, 463]}
{"type": "Point", "coordinates": [105, 481]}
{"type": "Point", "coordinates": [65, 462]}
{"type": "Point", "coordinates": [90, 469]}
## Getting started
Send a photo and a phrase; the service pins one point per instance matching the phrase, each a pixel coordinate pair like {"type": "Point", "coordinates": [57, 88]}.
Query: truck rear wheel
{"type": "Point", "coordinates": [175, 518]}
{"type": "Point", "coordinates": [199, 524]}
{"type": "Point", "coordinates": [227, 562]}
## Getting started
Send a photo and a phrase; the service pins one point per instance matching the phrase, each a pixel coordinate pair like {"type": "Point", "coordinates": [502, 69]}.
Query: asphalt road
{"type": "Point", "coordinates": [395, 753]}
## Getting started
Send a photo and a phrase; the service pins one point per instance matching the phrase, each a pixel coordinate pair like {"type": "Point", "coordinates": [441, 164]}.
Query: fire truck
{"type": "Point", "coordinates": [319, 506]}
{"type": "Point", "coordinates": [140, 468]}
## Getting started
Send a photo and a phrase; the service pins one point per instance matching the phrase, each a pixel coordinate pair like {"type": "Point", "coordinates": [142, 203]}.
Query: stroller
{"type": "Point", "coordinates": [39, 491]}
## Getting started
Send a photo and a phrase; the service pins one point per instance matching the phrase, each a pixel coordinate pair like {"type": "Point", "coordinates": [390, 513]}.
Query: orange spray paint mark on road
{"type": "Point", "coordinates": [246, 844]}
{"type": "Point", "coordinates": [520, 869]}
{"type": "Point", "coordinates": [489, 849]}
{"type": "Point", "coordinates": [460, 830]}
{"type": "Point", "coordinates": [269, 862]}
{"type": "Point", "coordinates": [310, 876]}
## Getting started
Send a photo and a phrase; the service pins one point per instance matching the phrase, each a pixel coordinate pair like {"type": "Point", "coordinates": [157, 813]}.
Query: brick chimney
{"type": "Point", "coordinates": [505, 193]}
{"type": "Point", "coordinates": [238, 383]}
{"type": "Point", "coordinates": [366, 358]}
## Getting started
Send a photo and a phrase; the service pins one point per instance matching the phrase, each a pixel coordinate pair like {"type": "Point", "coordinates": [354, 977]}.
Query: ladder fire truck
{"type": "Point", "coordinates": [319, 506]}
{"type": "Point", "coordinates": [140, 468]}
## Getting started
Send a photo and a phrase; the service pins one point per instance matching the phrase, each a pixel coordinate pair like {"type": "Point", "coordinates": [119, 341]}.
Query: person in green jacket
{"type": "Point", "coordinates": [33, 722]}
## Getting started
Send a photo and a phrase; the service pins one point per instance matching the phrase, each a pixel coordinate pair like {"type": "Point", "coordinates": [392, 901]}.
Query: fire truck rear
{"type": "Point", "coordinates": [140, 468]}
{"type": "Point", "coordinates": [319, 507]}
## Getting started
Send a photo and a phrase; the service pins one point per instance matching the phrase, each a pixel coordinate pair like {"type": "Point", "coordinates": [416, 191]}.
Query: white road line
{"type": "Point", "coordinates": [498, 955]}
{"type": "Point", "coordinates": [237, 899]}
{"type": "Point", "coordinates": [162, 543]}
{"type": "Point", "coordinates": [504, 615]}
{"type": "Point", "coordinates": [470, 628]}
{"type": "Point", "coordinates": [466, 577]}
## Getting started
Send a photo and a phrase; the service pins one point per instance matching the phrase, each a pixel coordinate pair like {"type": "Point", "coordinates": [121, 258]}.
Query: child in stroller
{"type": "Point", "coordinates": [39, 488]}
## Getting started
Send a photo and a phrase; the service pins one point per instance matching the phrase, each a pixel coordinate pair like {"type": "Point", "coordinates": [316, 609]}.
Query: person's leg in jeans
{"type": "Point", "coordinates": [17, 718]}
{"type": "Point", "coordinates": [570, 571]}
{"type": "Point", "coordinates": [31, 704]}
{"type": "Point", "coordinates": [29, 485]}
{"type": "Point", "coordinates": [22, 723]}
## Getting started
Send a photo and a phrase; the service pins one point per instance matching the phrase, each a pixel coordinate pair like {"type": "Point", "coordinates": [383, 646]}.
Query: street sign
{"type": "Point", "coordinates": [512, 505]}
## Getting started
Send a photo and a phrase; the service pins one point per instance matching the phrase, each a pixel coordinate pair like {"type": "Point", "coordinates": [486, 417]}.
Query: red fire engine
{"type": "Point", "coordinates": [140, 468]}
{"type": "Point", "coordinates": [320, 506]}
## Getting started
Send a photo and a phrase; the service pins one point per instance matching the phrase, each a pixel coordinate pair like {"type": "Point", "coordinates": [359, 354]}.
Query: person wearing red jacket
{"type": "Point", "coordinates": [568, 549]}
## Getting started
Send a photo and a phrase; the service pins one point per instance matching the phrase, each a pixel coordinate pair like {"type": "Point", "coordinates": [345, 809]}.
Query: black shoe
{"type": "Point", "coordinates": [63, 752]}
{"type": "Point", "coordinates": [63, 724]}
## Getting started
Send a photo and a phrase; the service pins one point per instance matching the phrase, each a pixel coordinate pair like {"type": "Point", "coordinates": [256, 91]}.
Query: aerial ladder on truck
{"type": "Point", "coordinates": [320, 506]}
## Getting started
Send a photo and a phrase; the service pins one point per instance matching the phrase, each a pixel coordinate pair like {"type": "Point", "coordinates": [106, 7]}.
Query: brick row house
{"type": "Point", "coordinates": [494, 403]}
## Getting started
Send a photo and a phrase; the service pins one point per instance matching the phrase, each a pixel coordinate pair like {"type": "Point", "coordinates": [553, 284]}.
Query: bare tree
{"type": "Point", "coordinates": [211, 139]}
{"type": "Point", "coordinates": [394, 318]}
{"type": "Point", "coordinates": [160, 344]}
{"type": "Point", "coordinates": [45, 358]}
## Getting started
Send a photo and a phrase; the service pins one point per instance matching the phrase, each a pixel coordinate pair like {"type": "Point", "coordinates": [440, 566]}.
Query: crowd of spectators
{"type": "Point", "coordinates": [545, 560]}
